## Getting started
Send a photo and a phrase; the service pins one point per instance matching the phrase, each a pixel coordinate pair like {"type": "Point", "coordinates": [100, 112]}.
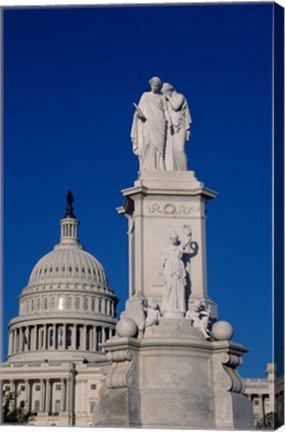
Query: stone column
{"type": "Point", "coordinates": [28, 338]}
{"type": "Point", "coordinates": [45, 337]}
{"type": "Point", "coordinates": [64, 336]}
{"type": "Point", "coordinates": [32, 330]}
{"type": "Point", "coordinates": [261, 406]}
{"type": "Point", "coordinates": [28, 395]}
{"type": "Point", "coordinates": [103, 337]}
{"type": "Point", "coordinates": [35, 337]}
{"type": "Point", "coordinates": [25, 341]}
{"type": "Point", "coordinates": [63, 393]}
{"type": "Point", "coordinates": [94, 338]}
{"type": "Point", "coordinates": [10, 349]}
{"type": "Point", "coordinates": [54, 336]}
{"type": "Point", "coordinates": [48, 396]}
{"type": "Point", "coordinates": [14, 342]}
{"type": "Point", "coordinates": [21, 338]}
{"type": "Point", "coordinates": [17, 340]}
{"type": "Point", "coordinates": [68, 396]}
{"type": "Point", "coordinates": [42, 397]}
{"type": "Point", "coordinates": [73, 337]}
{"type": "Point", "coordinates": [84, 337]}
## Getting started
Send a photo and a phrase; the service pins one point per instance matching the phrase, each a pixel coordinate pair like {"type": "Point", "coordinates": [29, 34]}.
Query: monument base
{"type": "Point", "coordinates": [172, 377]}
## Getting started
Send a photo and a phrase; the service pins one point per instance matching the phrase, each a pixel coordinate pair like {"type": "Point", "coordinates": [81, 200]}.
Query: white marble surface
{"type": "Point", "coordinates": [160, 203]}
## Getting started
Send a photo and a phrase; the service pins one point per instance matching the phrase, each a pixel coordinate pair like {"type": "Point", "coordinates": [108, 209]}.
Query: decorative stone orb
{"type": "Point", "coordinates": [222, 330]}
{"type": "Point", "coordinates": [126, 327]}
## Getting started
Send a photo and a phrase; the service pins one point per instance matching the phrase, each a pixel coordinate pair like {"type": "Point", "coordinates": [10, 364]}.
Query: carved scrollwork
{"type": "Point", "coordinates": [230, 362]}
{"type": "Point", "coordinates": [121, 371]}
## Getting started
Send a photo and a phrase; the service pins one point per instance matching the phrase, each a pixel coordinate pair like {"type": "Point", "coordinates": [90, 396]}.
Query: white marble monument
{"type": "Point", "coordinates": [171, 363]}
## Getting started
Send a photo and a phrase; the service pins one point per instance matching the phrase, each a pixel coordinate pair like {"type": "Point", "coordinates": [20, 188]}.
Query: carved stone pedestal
{"type": "Point", "coordinates": [158, 204]}
{"type": "Point", "coordinates": [171, 373]}
{"type": "Point", "coordinates": [173, 378]}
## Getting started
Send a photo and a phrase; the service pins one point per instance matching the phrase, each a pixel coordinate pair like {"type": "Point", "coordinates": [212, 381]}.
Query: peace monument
{"type": "Point", "coordinates": [171, 363]}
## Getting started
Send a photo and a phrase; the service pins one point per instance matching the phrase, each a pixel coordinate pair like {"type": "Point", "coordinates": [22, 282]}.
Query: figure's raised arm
{"type": "Point", "coordinates": [176, 100]}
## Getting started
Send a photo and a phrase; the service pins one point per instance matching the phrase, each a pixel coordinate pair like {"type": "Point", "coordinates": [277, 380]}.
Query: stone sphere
{"type": "Point", "coordinates": [222, 330]}
{"type": "Point", "coordinates": [126, 327]}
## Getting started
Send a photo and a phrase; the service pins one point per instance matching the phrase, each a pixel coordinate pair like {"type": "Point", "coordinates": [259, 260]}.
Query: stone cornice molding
{"type": "Point", "coordinates": [68, 319]}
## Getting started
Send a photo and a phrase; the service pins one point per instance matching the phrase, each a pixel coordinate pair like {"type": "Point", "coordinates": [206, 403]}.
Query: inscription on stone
{"type": "Point", "coordinates": [170, 209]}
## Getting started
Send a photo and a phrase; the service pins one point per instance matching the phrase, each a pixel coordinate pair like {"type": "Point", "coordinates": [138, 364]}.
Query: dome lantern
{"type": "Point", "coordinates": [69, 224]}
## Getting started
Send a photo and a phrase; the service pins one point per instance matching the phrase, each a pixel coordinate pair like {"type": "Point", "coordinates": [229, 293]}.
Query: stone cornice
{"type": "Point", "coordinates": [62, 318]}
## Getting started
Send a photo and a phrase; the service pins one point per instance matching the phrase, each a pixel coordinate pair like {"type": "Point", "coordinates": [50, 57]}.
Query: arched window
{"type": "Point", "coordinates": [37, 406]}
{"type": "Point", "coordinates": [85, 303]}
{"type": "Point", "coordinates": [77, 303]}
{"type": "Point", "coordinates": [100, 305]}
{"type": "Point", "coordinates": [92, 406]}
{"type": "Point", "coordinates": [93, 303]}
{"type": "Point", "coordinates": [32, 305]}
{"type": "Point", "coordinates": [53, 302]}
{"type": "Point", "coordinates": [68, 302]}
{"type": "Point", "coordinates": [57, 406]}
{"type": "Point", "coordinates": [61, 303]}
{"type": "Point", "coordinates": [106, 307]}
{"type": "Point", "coordinates": [45, 303]}
{"type": "Point", "coordinates": [38, 304]}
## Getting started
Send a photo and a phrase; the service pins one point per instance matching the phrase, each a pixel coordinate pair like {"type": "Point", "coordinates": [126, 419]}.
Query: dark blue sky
{"type": "Point", "coordinates": [70, 78]}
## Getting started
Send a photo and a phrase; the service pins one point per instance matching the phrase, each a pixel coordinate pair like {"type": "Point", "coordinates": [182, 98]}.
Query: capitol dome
{"type": "Point", "coordinates": [67, 304]}
{"type": "Point", "coordinates": [68, 263]}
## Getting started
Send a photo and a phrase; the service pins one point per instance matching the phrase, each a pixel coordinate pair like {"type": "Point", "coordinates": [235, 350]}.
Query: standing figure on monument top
{"type": "Point", "coordinates": [149, 128]}
{"type": "Point", "coordinates": [178, 129]}
{"type": "Point", "coordinates": [173, 269]}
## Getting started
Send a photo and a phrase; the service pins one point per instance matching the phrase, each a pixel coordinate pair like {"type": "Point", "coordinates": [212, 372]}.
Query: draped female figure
{"type": "Point", "coordinates": [149, 128]}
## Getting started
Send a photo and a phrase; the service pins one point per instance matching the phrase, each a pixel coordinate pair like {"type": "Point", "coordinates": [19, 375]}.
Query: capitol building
{"type": "Point", "coordinates": [66, 312]}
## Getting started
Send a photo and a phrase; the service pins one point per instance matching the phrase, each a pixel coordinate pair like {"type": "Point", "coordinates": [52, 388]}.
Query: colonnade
{"type": "Point", "coordinates": [44, 400]}
{"type": "Point", "coordinates": [58, 336]}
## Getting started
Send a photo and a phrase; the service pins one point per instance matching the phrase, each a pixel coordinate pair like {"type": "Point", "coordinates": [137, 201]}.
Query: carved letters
{"type": "Point", "coordinates": [171, 209]}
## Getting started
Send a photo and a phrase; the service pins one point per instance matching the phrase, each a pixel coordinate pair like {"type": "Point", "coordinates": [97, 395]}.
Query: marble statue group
{"type": "Point", "coordinates": [171, 364]}
{"type": "Point", "coordinates": [161, 126]}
